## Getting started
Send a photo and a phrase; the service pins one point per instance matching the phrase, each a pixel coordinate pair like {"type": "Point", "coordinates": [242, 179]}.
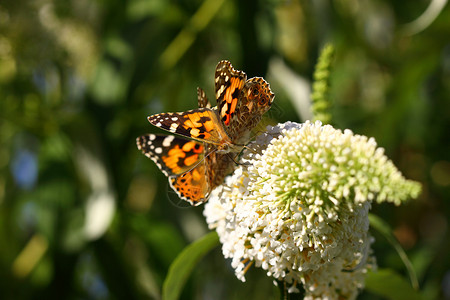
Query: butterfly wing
{"type": "Point", "coordinates": [200, 124]}
{"type": "Point", "coordinates": [173, 155]}
{"type": "Point", "coordinates": [182, 161]}
{"type": "Point", "coordinates": [202, 99]}
{"type": "Point", "coordinates": [192, 186]}
{"type": "Point", "coordinates": [218, 167]}
{"type": "Point", "coordinates": [196, 185]}
{"type": "Point", "coordinates": [256, 96]}
{"type": "Point", "coordinates": [255, 100]}
{"type": "Point", "coordinates": [228, 85]}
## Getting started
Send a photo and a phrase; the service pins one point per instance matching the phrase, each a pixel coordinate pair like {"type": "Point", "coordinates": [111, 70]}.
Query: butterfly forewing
{"type": "Point", "coordinates": [228, 85]}
{"type": "Point", "coordinates": [199, 124]}
{"type": "Point", "coordinates": [173, 155]}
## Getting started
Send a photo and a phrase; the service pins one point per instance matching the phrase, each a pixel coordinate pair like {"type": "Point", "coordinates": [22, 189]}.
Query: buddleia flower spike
{"type": "Point", "coordinates": [298, 207]}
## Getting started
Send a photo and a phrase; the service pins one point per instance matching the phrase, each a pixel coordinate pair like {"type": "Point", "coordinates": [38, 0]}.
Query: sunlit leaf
{"type": "Point", "coordinates": [183, 265]}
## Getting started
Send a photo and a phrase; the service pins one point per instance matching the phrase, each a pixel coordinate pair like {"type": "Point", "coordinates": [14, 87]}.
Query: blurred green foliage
{"type": "Point", "coordinates": [83, 214]}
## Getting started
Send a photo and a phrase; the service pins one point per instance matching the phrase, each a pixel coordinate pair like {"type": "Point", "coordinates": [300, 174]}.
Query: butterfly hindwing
{"type": "Point", "coordinates": [193, 185]}
{"type": "Point", "coordinates": [255, 100]}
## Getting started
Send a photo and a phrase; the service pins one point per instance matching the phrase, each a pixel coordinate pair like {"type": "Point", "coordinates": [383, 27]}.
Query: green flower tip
{"type": "Point", "coordinates": [310, 160]}
{"type": "Point", "coordinates": [320, 101]}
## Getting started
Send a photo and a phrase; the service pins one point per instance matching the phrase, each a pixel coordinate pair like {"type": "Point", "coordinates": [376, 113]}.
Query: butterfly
{"type": "Point", "coordinates": [215, 135]}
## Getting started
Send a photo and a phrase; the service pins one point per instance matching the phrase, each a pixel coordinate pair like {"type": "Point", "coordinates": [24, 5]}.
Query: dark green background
{"type": "Point", "coordinates": [78, 79]}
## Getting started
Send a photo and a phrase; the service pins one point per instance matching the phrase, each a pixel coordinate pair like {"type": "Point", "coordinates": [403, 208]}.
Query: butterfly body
{"type": "Point", "coordinates": [216, 134]}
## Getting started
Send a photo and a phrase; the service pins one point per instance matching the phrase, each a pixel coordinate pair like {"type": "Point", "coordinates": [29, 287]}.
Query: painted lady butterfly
{"type": "Point", "coordinates": [195, 167]}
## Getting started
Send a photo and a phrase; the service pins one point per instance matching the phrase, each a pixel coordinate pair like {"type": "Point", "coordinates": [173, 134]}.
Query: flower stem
{"type": "Point", "coordinates": [285, 295]}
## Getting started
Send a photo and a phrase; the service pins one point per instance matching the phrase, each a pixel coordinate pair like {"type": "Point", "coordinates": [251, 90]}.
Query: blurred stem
{"type": "Point", "coordinates": [386, 231]}
{"type": "Point", "coordinates": [285, 295]}
{"type": "Point", "coordinates": [187, 35]}
{"type": "Point", "coordinates": [425, 19]}
{"type": "Point", "coordinates": [320, 102]}
{"type": "Point", "coordinates": [30, 256]}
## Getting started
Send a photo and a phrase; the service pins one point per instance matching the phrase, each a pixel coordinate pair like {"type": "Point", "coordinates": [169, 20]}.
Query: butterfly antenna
{"type": "Point", "coordinates": [234, 158]}
{"type": "Point", "coordinates": [249, 149]}
{"type": "Point", "coordinates": [240, 152]}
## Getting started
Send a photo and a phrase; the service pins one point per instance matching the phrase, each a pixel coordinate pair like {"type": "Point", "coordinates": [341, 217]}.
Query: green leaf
{"type": "Point", "coordinates": [380, 225]}
{"type": "Point", "coordinates": [391, 285]}
{"type": "Point", "coordinates": [183, 265]}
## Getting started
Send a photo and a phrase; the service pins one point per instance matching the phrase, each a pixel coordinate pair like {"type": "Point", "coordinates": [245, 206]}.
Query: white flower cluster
{"type": "Point", "coordinates": [298, 207]}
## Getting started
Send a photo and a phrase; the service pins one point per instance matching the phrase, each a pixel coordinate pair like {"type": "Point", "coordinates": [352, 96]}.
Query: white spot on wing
{"type": "Point", "coordinates": [158, 150]}
{"type": "Point", "coordinates": [173, 127]}
{"type": "Point", "coordinates": [224, 109]}
{"type": "Point", "coordinates": [168, 140]}
{"type": "Point", "coordinates": [220, 91]}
